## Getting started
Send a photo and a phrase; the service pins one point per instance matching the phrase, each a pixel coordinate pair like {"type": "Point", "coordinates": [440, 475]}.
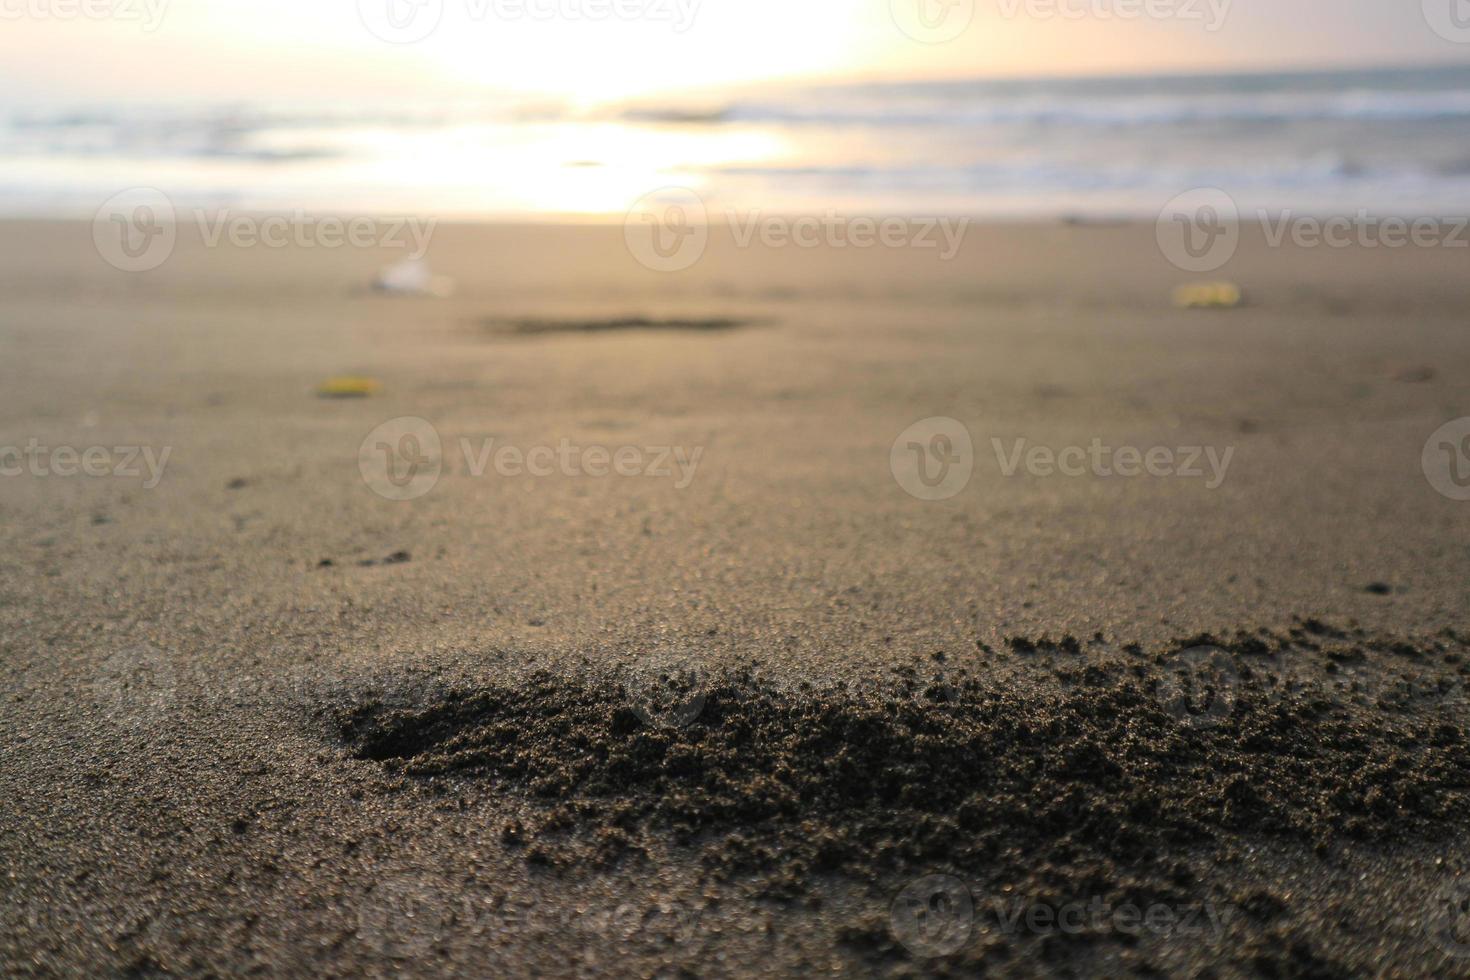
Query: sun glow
{"type": "Point", "coordinates": [679, 46]}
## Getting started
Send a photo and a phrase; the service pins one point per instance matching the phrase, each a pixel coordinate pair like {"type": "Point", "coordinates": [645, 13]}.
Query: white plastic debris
{"type": "Point", "coordinates": [412, 277]}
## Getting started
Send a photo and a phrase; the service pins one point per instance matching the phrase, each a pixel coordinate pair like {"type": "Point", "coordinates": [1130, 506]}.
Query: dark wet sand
{"type": "Point", "coordinates": [261, 719]}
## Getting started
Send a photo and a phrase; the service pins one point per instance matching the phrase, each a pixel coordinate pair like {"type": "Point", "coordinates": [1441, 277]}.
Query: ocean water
{"type": "Point", "coordinates": [1391, 142]}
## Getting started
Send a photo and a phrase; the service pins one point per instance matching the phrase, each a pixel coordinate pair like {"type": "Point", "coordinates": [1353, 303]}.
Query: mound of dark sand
{"type": "Point", "coordinates": [1088, 785]}
{"type": "Point", "coordinates": [958, 773]}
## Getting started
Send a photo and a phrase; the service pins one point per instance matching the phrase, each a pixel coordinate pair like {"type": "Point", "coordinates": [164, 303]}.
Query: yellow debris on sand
{"type": "Point", "coordinates": [348, 387]}
{"type": "Point", "coordinates": [1207, 296]}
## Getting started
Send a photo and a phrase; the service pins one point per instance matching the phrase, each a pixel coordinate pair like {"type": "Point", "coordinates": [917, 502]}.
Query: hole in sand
{"type": "Point", "coordinates": [533, 325]}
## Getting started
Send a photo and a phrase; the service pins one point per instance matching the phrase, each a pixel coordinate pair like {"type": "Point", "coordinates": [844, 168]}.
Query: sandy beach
{"type": "Point", "coordinates": [260, 717]}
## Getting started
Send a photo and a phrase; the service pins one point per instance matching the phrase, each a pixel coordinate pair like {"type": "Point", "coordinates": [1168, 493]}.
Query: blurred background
{"type": "Point", "coordinates": [537, 109]}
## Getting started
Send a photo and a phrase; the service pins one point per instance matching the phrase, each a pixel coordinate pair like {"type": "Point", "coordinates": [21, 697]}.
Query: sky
{"type": "Point", "coordinates": [592, 51]}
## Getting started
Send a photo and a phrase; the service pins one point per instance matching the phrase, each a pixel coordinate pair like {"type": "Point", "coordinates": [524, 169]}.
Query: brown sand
{"type": "Point", "coordinates": [260, 718]}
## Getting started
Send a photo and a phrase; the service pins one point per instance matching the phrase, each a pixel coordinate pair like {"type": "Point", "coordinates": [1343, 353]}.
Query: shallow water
{"type": "Point", "coordinates": [1390, 142]}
